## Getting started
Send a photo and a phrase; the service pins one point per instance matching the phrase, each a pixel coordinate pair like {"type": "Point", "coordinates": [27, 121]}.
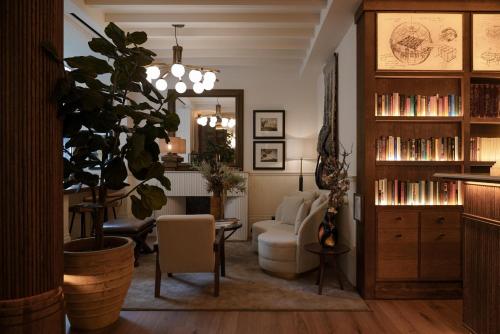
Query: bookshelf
{"type": "Point", "coordinates": [414, 251]}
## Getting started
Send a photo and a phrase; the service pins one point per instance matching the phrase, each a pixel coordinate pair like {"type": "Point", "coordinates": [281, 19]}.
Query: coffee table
{"type": "Point", "coordinates": [230, 225]}
{"type": "Point", "coordinates": [323, 253]}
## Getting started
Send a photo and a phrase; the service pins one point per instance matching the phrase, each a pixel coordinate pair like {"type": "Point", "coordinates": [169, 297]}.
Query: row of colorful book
{"type": "Point", "coordinates": [431, 149]}
{"type": "Point", "coordinates": [424, 192]}
{"type": "Point", "coordinates": [485, 100]}
{"type": "Point", "coordinates": [484, 149]}
{"type": "Point", "coordinates": [396, 104]}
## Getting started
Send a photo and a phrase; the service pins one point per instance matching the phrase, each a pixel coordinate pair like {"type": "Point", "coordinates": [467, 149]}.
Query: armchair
{"type": "Point", "coordinates": [187, 244]}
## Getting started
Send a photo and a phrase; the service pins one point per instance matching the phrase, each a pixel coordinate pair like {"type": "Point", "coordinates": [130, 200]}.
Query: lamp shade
{"type": "Point", "coordinates": [300, 148]}
{"type": "Point", "coordinates": [176, 145]}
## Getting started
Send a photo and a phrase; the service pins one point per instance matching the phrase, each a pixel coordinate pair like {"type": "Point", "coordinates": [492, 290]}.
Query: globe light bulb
{"type": "Point", "coordinates": [177, 70]}
{"type": "Point", "coordinates": [231, 123]}
{"type": "Point", "coordinates": [161, 84]}
{"type": "Point", "coordinates": [209, 76]}
{"type": "Point", "coordinates": [198, 88]}
{"type": "Point", "coordinates": [213, 119]}
{"type": "Point", "coordinates": [195, 76]}
{"type": "Point", "coordinates": [212, 125]}
{"type": "Point", "coordinates": [180, 87]}
{"type": "Point", "coordinates": [153, 72]}
{"type": "Point", "coordinates": [204, 120]}
{"type": "Point", "coordinates": [208, 85]}
{"type": "Point", "coordinates": [233, 142]}
{"type": "Point", "coordinates": [199, 120]}
{"type": "Point", "coordinates": [224, 122]}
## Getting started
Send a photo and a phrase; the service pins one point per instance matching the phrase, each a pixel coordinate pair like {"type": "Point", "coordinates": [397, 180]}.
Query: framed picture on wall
{"type": "Point", "coordinates": [420, 41]}
{"type": "Point", "coordinates": [268, 124]}
{"type": "Point", "coordinates": [486, 42]}
{"type": "Point", "coordinates": [269, 155]}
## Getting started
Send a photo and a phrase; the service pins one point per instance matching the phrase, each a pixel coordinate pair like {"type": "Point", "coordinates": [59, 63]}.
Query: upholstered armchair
{"type": "Point", "coordinates": [280, 242]}
{"type": "Point", "coordinates": [187, 244]}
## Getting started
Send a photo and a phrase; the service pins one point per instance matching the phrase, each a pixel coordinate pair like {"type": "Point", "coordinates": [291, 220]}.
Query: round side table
{"type": "Point", "coordinates": [323, 253]}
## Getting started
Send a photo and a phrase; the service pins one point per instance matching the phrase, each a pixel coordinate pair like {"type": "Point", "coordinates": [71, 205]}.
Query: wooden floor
{"type": "Point", "coordinates": [419, 316]}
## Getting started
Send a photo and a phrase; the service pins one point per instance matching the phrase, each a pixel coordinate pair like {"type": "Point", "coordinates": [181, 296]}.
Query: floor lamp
{"type": "Point", "coordinates": [300, 149]}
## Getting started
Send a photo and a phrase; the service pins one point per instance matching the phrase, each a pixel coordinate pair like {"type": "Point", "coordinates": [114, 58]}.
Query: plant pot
{"type": "Point", "coordinates": [96, 282]}
{"type": "Point", "coordinates": [327, 232]}
{"type": "Point", "coordinates": [217, 207]}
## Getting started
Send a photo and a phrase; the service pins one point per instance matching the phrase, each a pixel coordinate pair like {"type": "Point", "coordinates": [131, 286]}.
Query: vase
{"type": "Point", "coordinates": [217, 207]}
{"type": "Point", "coordinates": [327, 232]}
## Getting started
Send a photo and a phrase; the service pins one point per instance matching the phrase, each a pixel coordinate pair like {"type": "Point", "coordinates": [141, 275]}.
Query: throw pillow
{"type": "Point", "coordinates": [289, 208]}
{"type": "Point", "coordinates": [302, 214]}
{"type": "Point", "coordinates": [317, 203]}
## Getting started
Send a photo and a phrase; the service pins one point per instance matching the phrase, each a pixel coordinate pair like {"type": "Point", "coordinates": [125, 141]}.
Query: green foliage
{"type": "Point", "coordinates": [221, 178]}
{"type": "Point", "coordinates": [95, 113]}
{"type": "Point", "coordinates": [219, 151]}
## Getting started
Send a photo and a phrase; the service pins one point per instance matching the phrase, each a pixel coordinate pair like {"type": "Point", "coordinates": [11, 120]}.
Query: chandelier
{"type": "Point", "coordinates": [218, 122]}
{"type": "Point", "coordinates": [203, 78]}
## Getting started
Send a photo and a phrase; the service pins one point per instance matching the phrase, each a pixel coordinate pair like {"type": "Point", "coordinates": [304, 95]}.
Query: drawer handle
{"type": "Point", "coordinates": [441, 236]}
{"type": "Point", "coordinates": [399, 218]}
{"type": "Point", "coordinates": [399, 235]}
{"type": "Point", "coordinates": [440, 220]}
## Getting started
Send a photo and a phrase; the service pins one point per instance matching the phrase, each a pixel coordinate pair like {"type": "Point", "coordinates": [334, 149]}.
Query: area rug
{"type": "Point", "coordinates": [245, 288]}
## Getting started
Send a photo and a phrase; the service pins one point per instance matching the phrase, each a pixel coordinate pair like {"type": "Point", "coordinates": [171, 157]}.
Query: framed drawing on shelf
{"type": "Point", "coordinates": [419, 41]}
{"type": "Point", "coordinates": [486, 42]}
{"type": "Point", "coordinates": [268, 124]}
{"type": "Point", "coordinates": [269, 155]}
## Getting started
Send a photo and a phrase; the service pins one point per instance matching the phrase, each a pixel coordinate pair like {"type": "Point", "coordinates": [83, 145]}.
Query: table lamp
{"type": "Point", "coordinates": [171, 150]}
{"type": "Point", "coordinates": [301, 149]}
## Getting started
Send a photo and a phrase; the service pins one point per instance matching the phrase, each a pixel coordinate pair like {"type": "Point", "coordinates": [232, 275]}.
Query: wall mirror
{"type": "Point", "coordinates": [213, 118]}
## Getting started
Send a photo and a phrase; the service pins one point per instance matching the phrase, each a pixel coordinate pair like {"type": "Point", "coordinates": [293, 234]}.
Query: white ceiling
{"type": "Point", "coordinates": [230, 32]}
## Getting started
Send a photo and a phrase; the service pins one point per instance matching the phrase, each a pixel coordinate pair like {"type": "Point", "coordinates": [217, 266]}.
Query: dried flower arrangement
{"type": "Point", "coordinates": [336, 179]}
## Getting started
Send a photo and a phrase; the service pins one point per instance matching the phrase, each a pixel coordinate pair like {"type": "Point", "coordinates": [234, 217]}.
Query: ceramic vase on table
{"type": "Point", "coordinates": [217, 206]}
{"type": "Point", "coordinates": [327, 232]}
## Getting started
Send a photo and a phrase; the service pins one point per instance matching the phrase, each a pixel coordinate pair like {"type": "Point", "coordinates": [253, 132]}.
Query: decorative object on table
{"type": "Point", "coordinates": [269, 155]}
{"type": "Point", "coordinates": [221, 179]}
{"type": "Point", "coordinates": [337, 180]}
{"type": "Point", "coordinates": [90, 107]}
{"type": "Point", "coordinates": [419, 41]}
{"type": "Point", "coordinates": [268, 124]}
{"type": "Point", "coordinates": [485, 42]}
{"type": "Point", "coordinates": [300, 149]}
{"type": "Point", "coordinates": [175, 146]}
{"type": "Point", "coordinates": [328, 143]}
{"type": "Point", "coordinates": [202, 77]}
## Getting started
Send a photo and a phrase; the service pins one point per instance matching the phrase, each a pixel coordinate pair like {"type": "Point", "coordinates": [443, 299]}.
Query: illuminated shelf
{"type": "Point", "coordinates": [419, 206]}
{"type": "Point", "coordinates": [417, 163]}
{"type": "Point", "coordinates": [422, 119]}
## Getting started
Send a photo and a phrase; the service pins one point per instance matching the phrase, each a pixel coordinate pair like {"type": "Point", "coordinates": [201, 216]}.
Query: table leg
{"type": "Point", "coordinates": [321, 273]}
{"type": "Point", "coordinates": [222, 258]}
{"type": "Point", "coordinates": [338, 273]}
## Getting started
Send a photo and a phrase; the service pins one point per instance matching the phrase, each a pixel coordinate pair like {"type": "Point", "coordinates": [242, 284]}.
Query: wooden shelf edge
{"type": "Point", "coordinates": [423, 119]}
{"type": "Point", "coordinates": [418, 207]}
{"type": "Point", "coordinates": [417, 163]}
{"type": "Point", "coordinates": [481, 120]}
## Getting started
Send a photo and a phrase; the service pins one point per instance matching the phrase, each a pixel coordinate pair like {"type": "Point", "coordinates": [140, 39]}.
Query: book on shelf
{"type": "Point", "coordinates": [390, 148]}
{"type": "Point", "coordinates": [485, 100]}
{"type": "Point", "coordinates": [396, 104]}
{"type": "Point", "coordinates": [484, 149]}
{"type": "Point", "coordinates": [423, 192]}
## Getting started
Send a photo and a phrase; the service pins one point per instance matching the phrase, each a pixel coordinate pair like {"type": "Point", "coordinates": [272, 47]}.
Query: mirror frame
{"type": "Point", "coordinates": [238, 94]}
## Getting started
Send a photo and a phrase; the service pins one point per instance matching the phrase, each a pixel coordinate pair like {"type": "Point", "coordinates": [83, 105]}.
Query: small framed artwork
{"type": "Point", "coordinates": [420, 41]}
{"type": "Point", "coordinates": [486, 42]}
{"type": "Point", "coordinates": [269, 124]}
{"type": "Point", "coordinates": [269, 155]}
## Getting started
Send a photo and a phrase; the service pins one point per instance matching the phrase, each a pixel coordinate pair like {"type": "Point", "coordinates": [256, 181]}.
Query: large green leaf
{"type": "Point", "coordinates": [152, 197]}
{"type": "Point", "coordinates": [165, 182]}
{"type": "Point", "coordinates": [116, 34]}
{"type": "Point", "coordinates": [90, 64]}
{"type": "Point", "coordinates": [103, 46]}
{"type": "Point", "coordinates": [138, 209]}
{"type": "Point", "coordinates": [115, 174]}
{"type": "Point", "coordinates": [137, 37]}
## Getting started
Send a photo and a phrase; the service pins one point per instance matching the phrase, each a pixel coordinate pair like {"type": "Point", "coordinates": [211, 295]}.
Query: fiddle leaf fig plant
{"type": "Point", "coordinates": [107, 130]}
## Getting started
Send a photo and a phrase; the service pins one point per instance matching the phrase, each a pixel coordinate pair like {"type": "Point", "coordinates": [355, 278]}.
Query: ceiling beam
{"type": "Point", "coordinates": [235, 32]}
{"type": "Point", "coordinates": [233, 53]}
{"type": "Point", "coordinates": [209, 2]}
{"type": "Point", "coordinates": [229, 61]}
{"type": "Point", "coordinates": [236, 43]}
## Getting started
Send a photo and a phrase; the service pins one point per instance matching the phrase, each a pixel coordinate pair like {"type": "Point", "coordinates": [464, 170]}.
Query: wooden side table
{"type": "Point", "coordinates": [230, 225]}
{"type": "Point", "coordinates": [323, 253]}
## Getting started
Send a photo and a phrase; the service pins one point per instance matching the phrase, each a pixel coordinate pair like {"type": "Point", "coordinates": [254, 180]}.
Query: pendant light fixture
{"type": "Point", "coordinates": [218, 122]}
{"type": "Point", "coordinates": [202, 78]}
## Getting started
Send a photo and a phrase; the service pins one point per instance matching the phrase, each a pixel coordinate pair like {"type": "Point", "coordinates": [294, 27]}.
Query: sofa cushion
{"type": "Point", "coordinates": [267, 225]}
{"type": "Point", "coordinates": [289, 208]}
{"type": "Point", "coordinates": [318, 201]}
{"type": "Point", "coordinates": [306, 195]}
{"type": "Point", "coordinates": [278, 246]}
{"type": "Point", "coordinates": [302, 214]}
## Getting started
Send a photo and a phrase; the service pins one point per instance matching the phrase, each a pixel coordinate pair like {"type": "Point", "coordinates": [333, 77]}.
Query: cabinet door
{"type": "Point", "coordinates": [397, 245]}
{"type": "Point", "coordinates": [440, 248]}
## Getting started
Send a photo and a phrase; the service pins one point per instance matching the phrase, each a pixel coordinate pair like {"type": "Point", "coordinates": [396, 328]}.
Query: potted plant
{"type": "Point", "coordinates": [109, 132]}
{"type": "Point", "coordinates": [221, 179]}
{"type": "Point", "coordinates": [335, 178]}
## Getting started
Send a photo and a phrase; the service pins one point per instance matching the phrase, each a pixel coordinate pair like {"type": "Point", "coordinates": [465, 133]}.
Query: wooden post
{"type": "Point", "coordinates": [31, 196]}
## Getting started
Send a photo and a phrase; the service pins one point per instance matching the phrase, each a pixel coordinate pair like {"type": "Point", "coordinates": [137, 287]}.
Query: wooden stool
{"type": "Point", "coordinates": [135, 229]}
{"type": "Point", "coordinates": [323, 253]}
{"type": "Point", "coordinates": [82, 210]}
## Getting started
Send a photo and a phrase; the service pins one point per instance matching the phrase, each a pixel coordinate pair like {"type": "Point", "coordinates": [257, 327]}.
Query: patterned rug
{"type": "Point", "coordinates": [245, 288]}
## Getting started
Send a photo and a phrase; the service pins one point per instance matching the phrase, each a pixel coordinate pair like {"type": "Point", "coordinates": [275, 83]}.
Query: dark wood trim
{"type": "Point", "coordinates": [269, 142]}
{"type": "Point", "coordinates": [430, 5]}
{"type": "Point", "coordinates": [239, 95]}
{"type": "Point", "coordinates": [418, 290]}
{"type": "Point", "coordinates": [268, 111]}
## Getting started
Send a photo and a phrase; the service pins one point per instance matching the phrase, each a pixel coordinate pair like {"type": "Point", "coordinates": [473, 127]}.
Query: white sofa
{"type": "Point", "coordinates": [280, 244]}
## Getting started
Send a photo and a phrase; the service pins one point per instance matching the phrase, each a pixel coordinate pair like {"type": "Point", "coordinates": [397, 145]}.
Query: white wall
{"type": "Point", "coordinates": [347, 136]}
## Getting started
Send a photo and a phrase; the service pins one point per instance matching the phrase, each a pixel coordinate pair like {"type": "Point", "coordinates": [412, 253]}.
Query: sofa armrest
{"type": "Point", "coordinates": [308, 231]}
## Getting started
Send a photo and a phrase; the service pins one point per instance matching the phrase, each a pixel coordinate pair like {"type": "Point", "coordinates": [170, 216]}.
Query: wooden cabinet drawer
{"type": "Point", "coordinates": [440, 219]}
{"type": "Point", "coordinates": [397, 253]}
{"type": "Point", "coordinates": [440, 253]}
{"type": "Point", "coordinates": [397, 219]}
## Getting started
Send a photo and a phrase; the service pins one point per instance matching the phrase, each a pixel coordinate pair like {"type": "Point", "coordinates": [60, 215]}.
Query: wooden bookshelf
{"type": "Point", "coordinates": [412, 251]}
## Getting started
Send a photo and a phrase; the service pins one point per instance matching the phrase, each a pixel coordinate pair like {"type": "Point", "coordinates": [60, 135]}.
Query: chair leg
{"type": "Point", "coordinates": [157, 276]}
{"type": "Point", "coordinates": [83, 233]}
{"type": "Point", "coordinates": [216, 275]}
{"type": "Point", "coordinates": [114, 212]}
{"type": "Point", "coordinates": [72, 221]}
